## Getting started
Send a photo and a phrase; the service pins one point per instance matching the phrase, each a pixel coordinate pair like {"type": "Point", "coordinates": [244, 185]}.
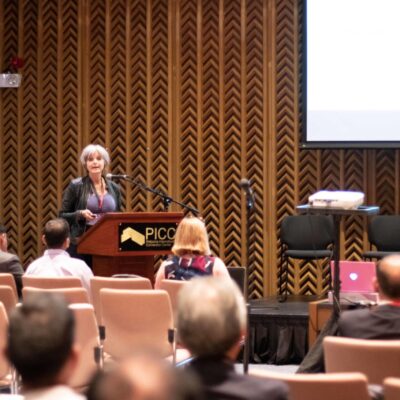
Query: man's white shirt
{"type": "Point", "coordinates": [57, 263]}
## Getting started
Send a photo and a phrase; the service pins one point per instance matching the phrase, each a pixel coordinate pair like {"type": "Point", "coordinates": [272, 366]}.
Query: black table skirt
{"type": "Point", "coordinates": [279, 331]}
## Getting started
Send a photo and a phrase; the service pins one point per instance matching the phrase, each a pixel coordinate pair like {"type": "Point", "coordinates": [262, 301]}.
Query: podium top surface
{"type": "Point", "coordinates": [360, 210]}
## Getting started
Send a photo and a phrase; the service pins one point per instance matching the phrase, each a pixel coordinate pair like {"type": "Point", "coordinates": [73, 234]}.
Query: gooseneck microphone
{"type": "Point", "coordinates": [115, 176]}
{"type": "Point", "coordinates": [245, 185]}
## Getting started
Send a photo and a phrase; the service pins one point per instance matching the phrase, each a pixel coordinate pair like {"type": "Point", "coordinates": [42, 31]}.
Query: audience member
{"type": "Point", "coordinates": [142, 377]}
{"type": "Point", "coordinates": [40, 346]}
{"type": "Point", "coordinates": [211, 323]}
{"type": "Point", "coordinates": [9, 263]}
{"type": "Point", "coordinates": [55, 260]}
{"type": "Point", "coordinates": [191, 254]}
{"type": "Point", "coordinates": [383, 321]}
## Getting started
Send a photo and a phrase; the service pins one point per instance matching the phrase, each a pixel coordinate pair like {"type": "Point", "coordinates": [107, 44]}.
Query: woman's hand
{"type": "Point", "coordinates": [88, 215]}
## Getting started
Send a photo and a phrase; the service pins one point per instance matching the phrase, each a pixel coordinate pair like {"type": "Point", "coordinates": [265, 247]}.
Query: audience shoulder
{"type": "Point", "coordinates": [5, 256]}
{"type": "Point", "coordinates": [81, 263]}
{"type": "Point", "coordinates": [220, 268]}
{"type": "Point", "coordinates": [267, 388]}
{"type": "Point", "coordinates": [160, 274]}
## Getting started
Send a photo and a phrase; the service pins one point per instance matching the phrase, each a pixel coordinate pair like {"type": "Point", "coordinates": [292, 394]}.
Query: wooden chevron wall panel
{"type": "Point", "coordinates": [354, 168]}
{"type": "Point", "coordinates": [255, 142]}
{"type": "Point", "coordinates": [160, 157]}
{"type": "Point", "coordinates": [9, 129]}
{"type": "Point", "coordinates": [48, 114]}
{"type": "Point", "coordinates": [386, 175]}
{"type": "Point", "coordinates": [210, 123]}
{"type": "Point", "coordinates": [137, 114]}
{"type": "Point", "coordinates": [189, 96]}
{"type": "Point", "coordinates": [69, 95]}
{"type": "Point", "coordinates": [189, 139]}
{"type": "Point", "coordinates": [97, 74]}
{"type": "Point", "coordinates": [118, 87]}
{"type": "Point", "coordinates": [233, 131]}
{"type": "Point", "coordinates": [30, 128]}
{"type": "Point", "coordinates": [286, 117]}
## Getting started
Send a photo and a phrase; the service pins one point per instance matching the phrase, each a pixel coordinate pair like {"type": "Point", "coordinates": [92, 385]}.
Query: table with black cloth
{"type": "Point", "coordinates": [279, 331]}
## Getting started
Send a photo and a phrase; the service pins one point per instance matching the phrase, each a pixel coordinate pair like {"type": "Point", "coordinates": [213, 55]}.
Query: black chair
{"type": "Point", "coordinates": [304, 237]}
{"type": "Point", "coordinates": [239, 275]}
{"type": "Point", "coordinates": [384, 235]}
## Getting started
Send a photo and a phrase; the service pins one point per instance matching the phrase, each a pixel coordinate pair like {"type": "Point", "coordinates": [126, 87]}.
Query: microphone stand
{"type": "Point", "coordinates": [250, 200]}
{"type": "Point", "coordinates": [167, 200]}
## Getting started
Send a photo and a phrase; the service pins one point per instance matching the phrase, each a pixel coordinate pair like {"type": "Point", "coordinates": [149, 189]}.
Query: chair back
{"type": "Point", "coordinates": [345, 386]}
{"type": "Point", "coordinates": [72, 295]}
{"type": "Point", "coordinates": [391, 388]}
{"type": "Point", "coordinates": [53, 282]}
{"type": "Point", "coordinates": [377, 359]}
{"type": "Point", "coordinates": [87, 339]}
{"type": "Point", "coordinates": [172, 287]}
{"type": "Point", "coordinates": [384, 232]}
{"type": "Point", "coordinates": [8, 298]}
{"type": "Point", "coordinates": [307, 232]}
{"type": "Point", "coordinates": [99, 282]}
{"type": "Point", "coordinates": [4, 365]}
{"type": "Point", "coordinates": [9, 280]}
{"type": "Point", "coordinates": [136, 320]}
{"type": "Point", "coordinates": [239, 276]}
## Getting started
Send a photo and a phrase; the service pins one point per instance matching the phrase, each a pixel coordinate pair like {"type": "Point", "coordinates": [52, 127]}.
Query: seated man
{"type": "Point", "coordinates": [55, 260]}
{"type": "Point", "coordinates": [383, 321]}
{"type": "Point", "coordinates": [143, 376]}
{"type": "Point", "coordinates": [9, 263]}
{"type": "Point", "coordinates": [211, 323]}
{"type": "Point", "coordinates": [40, 346]}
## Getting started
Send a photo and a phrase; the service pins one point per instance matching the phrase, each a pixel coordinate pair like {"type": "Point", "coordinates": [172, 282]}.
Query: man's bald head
{"type": "Point", "coordinates": [388, 276]}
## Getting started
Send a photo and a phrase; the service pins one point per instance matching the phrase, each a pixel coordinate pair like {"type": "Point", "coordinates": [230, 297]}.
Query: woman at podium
{"type": "Point", "coordinates": [191, 255]}
{"type": "Point", "coordinates": [87, 198]}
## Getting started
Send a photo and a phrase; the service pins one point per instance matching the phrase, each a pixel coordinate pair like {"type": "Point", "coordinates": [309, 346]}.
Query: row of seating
{"type": "Point", "coordinates": [117, 320]}
{"type": "Point", "coordinates": [71, 288]}
{"type": "Point", "coordinates": [355, 369]}
{"type": "Point", "coordinates": [331, 386]}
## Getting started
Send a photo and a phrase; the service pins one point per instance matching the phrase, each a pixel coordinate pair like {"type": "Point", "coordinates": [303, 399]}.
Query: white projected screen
{"type": "Point", "coordinates": [353, 70]}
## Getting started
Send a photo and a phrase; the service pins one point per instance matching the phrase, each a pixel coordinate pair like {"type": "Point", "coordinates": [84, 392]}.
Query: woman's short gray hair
{"type": "Point", "coordinates": [94, 148]}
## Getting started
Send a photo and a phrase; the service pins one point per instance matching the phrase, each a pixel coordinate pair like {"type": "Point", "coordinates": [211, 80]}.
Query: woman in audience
{"type": "Point", "coordinates": [191, 254]}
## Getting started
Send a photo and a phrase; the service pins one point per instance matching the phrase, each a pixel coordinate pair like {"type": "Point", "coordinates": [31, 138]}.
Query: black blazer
{"type": "Point", "coordinates": [382, 322]}
{"type": "Point", "coordinates": [75, 199]}
{"type": "Point", "coordinates": [221, 382]}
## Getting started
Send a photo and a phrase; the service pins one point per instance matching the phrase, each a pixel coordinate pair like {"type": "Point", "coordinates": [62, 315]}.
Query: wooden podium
{"type": "Point", "coordinates": [126, 243]}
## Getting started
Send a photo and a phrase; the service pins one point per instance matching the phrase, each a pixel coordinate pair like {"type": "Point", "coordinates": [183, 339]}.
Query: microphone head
{"type": "Point", "coordinates": [244, 183]}
{"type": "Point", "coordinates": [116, 176]}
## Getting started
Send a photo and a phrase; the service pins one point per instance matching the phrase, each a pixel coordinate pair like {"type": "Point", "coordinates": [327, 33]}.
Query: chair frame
{"type": "Point", "coordinates": [139, 298]}
{"type": "Point", "coordinates": [86, 334]}
{"type": "Point", "coordinates": [318, 243]}
{"type": "Point", "coordinates": [340, 358]}
{"type": "Point", "coordinates": [51, 282]}
{"type": "Point", "coordinates": [306, 386]}
{"type": "Point", "coordinates": [66, 292]}
{"type": "Point", "coordinates": [378, 225]}
{"type": "Point", "coordinates": [97, 283]}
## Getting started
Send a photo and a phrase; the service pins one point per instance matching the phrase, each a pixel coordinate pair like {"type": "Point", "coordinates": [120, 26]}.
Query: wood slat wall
{"type": "Point", "coordinates": [189, 96]}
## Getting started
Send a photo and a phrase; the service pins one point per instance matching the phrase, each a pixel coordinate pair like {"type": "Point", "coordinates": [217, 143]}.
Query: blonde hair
{"type": "Point", "coordinates": [191, 238]}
